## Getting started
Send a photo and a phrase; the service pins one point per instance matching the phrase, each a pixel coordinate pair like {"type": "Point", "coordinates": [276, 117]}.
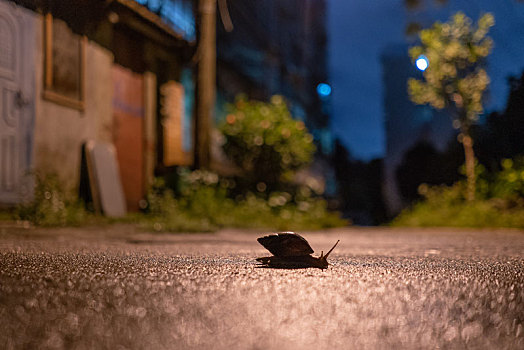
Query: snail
{"type": "Point", "coordinates": [291, 250]}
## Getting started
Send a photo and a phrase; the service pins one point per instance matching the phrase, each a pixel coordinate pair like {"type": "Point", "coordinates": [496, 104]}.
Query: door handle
{"type": "Point", "coordinates": [20, 100]}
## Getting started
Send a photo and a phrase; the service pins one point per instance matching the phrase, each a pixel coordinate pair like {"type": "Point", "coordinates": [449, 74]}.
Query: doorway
{"type": "Point", "coordinates": [16, 102]}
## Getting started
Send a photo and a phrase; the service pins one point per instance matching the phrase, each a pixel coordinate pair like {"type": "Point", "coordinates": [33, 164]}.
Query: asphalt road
{"type": "Point", "coordinates": [120, 288]}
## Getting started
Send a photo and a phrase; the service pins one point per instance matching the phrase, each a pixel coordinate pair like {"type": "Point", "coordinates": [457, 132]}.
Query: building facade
{"type": "Point", "coordinates": [113, 71]}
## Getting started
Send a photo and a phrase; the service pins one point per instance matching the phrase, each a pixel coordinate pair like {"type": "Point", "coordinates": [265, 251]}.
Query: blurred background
{"type": "Point", "coordinates": [194, 115]}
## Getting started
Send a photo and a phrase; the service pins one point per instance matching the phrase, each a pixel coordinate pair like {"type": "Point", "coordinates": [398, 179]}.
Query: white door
{"type": "Point", "coordinates": [16, 102]}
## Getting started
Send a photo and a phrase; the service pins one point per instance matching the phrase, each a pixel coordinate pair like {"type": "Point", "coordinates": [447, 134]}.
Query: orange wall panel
{"type": "Point", "coordinates": [128, 132]}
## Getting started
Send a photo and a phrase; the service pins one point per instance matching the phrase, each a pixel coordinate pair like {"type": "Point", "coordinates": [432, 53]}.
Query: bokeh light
{"type": "Point", "coordinates": [422, 62]}
{"type": "Point", "coordinates": [323, 89]}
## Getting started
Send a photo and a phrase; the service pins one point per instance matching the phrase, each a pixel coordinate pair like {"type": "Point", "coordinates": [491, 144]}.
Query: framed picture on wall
{"type": "Point", "coordinates": [64, 61]}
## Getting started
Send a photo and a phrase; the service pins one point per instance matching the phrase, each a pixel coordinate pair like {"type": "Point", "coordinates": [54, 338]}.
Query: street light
{"type": "Point", "coordinates": [422, 63]}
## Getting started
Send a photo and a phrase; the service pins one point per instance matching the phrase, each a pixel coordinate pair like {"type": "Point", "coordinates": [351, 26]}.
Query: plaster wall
{"type": "Point", "coordinates": [60, 131]}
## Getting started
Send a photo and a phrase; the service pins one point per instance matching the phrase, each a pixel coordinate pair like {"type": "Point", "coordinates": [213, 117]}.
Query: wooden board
{"type": "Point", "coordinates": [128, 132]}
{"type": "Point", "coordinates": [104, 178]}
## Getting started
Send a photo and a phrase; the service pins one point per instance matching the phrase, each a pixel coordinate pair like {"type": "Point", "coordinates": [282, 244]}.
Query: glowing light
{"type": "Point", "coordinates": [323, 89]}
{"type": "Point", "coordinates": [422, 62]}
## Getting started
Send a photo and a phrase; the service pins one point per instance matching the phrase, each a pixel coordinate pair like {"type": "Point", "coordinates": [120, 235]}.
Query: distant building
{"type": "Point", "coordinates": [405, 123]}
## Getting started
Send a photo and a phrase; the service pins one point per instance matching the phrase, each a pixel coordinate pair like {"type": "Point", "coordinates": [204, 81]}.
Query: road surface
{"type": "Point", "coordinates": [116, 287]}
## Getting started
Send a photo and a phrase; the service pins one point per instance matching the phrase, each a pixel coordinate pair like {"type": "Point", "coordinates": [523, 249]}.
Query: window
{"type": "Point", "coordinates": [63, 64]}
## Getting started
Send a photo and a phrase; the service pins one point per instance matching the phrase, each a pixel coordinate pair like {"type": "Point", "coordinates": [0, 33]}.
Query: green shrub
{"type": "Point", "coordinates": [265, 142]}
{"type": "Point", "coordinates": [500, 202]}
{"type": "Point", "coordinates": [165, 213]}
{"type": "Point", "coordinates": [52, 205]}
{"type": "Point", "coordinates": [201, 202]}
{"type": "Point", "coordinates": [508, 184]}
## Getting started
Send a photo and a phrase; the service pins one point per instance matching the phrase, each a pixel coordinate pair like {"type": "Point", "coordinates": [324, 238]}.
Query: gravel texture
{"type": "Point", "coordinates": [119, 288]}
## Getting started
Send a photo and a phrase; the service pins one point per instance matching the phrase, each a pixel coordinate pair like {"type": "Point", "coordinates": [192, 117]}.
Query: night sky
{"type": "Point", "coordinates": [359, 30]}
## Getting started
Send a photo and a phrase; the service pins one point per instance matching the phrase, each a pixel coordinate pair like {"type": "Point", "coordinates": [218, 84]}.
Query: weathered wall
{"type": "Point", "coordinates": [59, 130]}
{"type": "Point", "coordinates": [150, 122]}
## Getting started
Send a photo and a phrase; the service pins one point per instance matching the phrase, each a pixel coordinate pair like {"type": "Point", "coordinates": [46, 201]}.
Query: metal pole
{"type": "Point", "coordinates": [206, 81]}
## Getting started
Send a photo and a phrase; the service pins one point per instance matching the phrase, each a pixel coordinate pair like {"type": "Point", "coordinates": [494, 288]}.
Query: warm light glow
{"type": "Point", "coordinates": [422, 62]}
{"type": "Point", "coordinates": [323, 89]}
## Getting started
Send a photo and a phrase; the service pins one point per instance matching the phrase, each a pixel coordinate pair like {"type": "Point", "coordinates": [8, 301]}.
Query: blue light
{"type": "Point", "coordinates": [422, 62]}
{"type": "Point", "coordinates": [323, 89]}
{"type": "Point", "coordinates": [177, 14]}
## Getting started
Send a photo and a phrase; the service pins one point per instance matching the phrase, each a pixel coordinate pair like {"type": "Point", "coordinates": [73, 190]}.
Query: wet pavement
{"type": "Point", "coordinates": [117, 287]}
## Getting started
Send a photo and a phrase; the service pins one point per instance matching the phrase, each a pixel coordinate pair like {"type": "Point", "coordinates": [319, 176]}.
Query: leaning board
{"type": "Point", "coordinates": [104, 178]}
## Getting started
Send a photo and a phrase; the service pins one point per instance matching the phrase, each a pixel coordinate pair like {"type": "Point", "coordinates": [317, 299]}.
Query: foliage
{"type": "Point", "coordinates": [165, 213]}
{"type": "Point", "coordinates": [508, 184]}
{"type": "Point", "coordinates": [264, 141]}
{"type": "Point", "coordinates": [201, 203]}
{"type": "Point", "coordinates": [500, 137]}
{"type": "Point", "coordinates": [455, 78]}
{"type": "Point", "coordinates": [500, 201]}
{"type": "Point", "coordinates": [52, 205]}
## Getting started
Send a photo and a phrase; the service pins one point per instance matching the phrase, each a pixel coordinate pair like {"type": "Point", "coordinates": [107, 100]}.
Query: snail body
{"type": "Point", "coordinates": [291, 250]}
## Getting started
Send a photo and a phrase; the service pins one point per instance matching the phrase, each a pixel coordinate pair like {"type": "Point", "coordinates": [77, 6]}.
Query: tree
{"type": "Point", "coordinates": [455, 78]}
{"type": "Point", "coordinates": [265, 142]}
